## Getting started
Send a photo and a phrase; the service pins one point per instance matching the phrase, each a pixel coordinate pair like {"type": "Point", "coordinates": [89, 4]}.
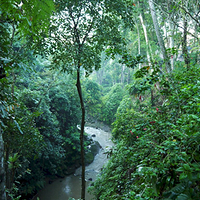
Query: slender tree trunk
{"type": "Point", "coordinates": [159, 37]}
{"type": "Point", "coordinates": [139, 42]}
{"type": "Point", "coordinates": [2, 170]}
{"type": "Point", "coordinates": [184, 44]}
{"type": "Point", "coordinates": [171, 33]}
{"type": "Point", "coordinates": [152, 98]}
{"type": "Point", "coordinates": [171, 42]}
{"type": "Point", "coordinates": [148, 46]}
{"type": "Point", "coordinates": [146, 38]}
{"type": "Point", "coordinates": [78, 85]}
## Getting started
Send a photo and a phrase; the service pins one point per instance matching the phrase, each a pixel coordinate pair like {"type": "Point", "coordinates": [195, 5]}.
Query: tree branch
{"type": "Point", "coordinates": [190, 14]}
{"type": "Point", "coordinates": [77, 39]}
{"type": "Point", "coordinates": [87, 32]}
{"type": "Point", "coordinates": [185, 30]}
{"type": "Point", "coordinates": [176, 22]}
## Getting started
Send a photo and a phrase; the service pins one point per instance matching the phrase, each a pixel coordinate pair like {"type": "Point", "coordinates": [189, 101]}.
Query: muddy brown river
{"type": "Point", "coordinates": [70, 186]}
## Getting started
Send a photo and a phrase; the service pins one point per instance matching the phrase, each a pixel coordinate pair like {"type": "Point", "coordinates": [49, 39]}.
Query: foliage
{"type": "Point", "coordinates": [78, 34]}
{"type": "Point", "coordinates": [23, 25]}
{"type": "Point", "coordinates": [156, 128]}
{"type": "Point", "coordinates": [92, 97]}
{"type": "Point", "coordinates": [111, 102]}
{"type": "Point", "coordinates": [20, 29]}
{"type": "Point", "coordinates": [25, 14]}
{"type": "Point", "coordinates": [156, 155]}
{"type": "Point", "coordinates": [56, 121]}
{"type": "Point", "coordinates": [40, 137]}
{"type": "Point", "coordinates": [81, 42]}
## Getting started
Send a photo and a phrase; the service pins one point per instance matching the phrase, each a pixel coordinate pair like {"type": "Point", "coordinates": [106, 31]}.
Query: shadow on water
{"type": "Point", "coordinates": [63, 189]}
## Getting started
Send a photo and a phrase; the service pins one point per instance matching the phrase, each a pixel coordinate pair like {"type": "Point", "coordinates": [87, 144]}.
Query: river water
{"type": "Point", "coordinates": [70, 186]}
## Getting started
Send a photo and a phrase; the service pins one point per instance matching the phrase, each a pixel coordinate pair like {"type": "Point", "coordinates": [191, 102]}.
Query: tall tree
{"type": "Point", "coordinates": [182, 20]}
{"type": "Point", "coordinates": [171, 31]}
{"type": "Point", "coordinates": [142, 20]}
{"type": "Point", "coordinates": [159, 36]}
{"type": "Point", "coordinates": [184, 42]}
{"type": "Point", "coordinates": [146, 38]}
{"type": "Point", "coordinates": [81, 30]}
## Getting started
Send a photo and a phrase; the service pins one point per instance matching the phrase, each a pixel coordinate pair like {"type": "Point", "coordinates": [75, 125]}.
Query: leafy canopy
{"type": "Point", "coordinates": [81, 30]}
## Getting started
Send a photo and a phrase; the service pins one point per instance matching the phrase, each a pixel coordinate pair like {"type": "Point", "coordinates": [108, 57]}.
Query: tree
{"type": "Point", "coordinates": [159, 36]}
{"type": "Point", "coordinates": [18, 21]}
{"type": "Point", "coordinates": [180, 22]}
{"type": "Point", "coordinates": [148, 47]}
{"type": "Point", "coordinates": [80, 32]}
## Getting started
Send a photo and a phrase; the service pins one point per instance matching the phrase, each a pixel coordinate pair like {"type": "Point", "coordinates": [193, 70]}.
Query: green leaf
{"type": "Point", "coordinates": [186, 167]}
{"type": "Point", "coordinates": [18, 127]}
{"type": "Point", "coordinates": [183, 176]}
{"type": "Point", "coordinates": [183, 197]}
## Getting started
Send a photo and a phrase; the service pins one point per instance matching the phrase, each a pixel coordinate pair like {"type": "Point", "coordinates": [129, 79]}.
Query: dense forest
{"type": "Point", "coordinates": [131, 65]}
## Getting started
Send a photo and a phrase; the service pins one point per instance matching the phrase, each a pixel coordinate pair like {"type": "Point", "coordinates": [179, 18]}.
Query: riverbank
{"type": "Point", "coordinates": [92, 150]}
{"type": "Point", "coordinates": [63, 188]}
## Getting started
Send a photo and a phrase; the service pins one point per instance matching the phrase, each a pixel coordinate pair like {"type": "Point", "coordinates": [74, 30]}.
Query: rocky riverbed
{"type": "Point", "coordinates": [69, 186]}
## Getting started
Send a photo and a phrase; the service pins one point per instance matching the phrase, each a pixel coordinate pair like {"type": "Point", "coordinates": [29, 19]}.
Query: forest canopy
{"type": "Point", "coordinates": [132, 65]}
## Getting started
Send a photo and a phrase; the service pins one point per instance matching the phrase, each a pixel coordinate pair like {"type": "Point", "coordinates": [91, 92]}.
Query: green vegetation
{"type": "Point", "coordinates": [111, 102]}
{"type": "Point", "coordinates": [132, 65]}
{"type": "Point", "coordinates": [157, 147]}
{"type": "Point", "coordinates": [41, 135]}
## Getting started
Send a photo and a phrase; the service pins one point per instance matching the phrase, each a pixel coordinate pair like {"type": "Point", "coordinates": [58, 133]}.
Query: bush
{"type": "Point", "coordinates": [157, 153]}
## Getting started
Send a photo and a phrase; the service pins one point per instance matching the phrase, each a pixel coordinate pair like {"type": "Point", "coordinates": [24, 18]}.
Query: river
{"type": "Point", "coordinates": [70, 186]}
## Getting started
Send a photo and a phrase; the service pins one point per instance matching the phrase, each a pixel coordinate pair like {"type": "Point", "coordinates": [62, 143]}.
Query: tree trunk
{"type": "Point", "coordinates": [171, 42]}
{"type": "Point", "coordinates": [184, 44]}
{"type": "Point", "coordinates": [171, 33]}
{"type": "Point", "coordinates": [2, 170]}
{"type": "Point", "coordinates": [139, 43]}
{"type": "Point", "coordinates": [78, 85]}
{"type": "Point", "coordinates": [146, 38]}
{"type": "Point", "coordinates": [159, 37]}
